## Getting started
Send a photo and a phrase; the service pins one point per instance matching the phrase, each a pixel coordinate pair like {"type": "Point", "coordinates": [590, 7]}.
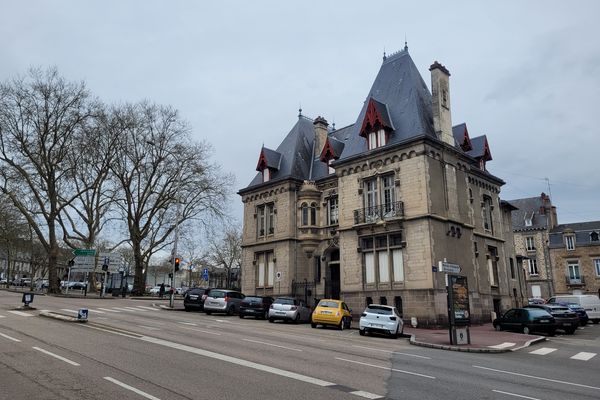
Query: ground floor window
{"type": "Point", "coordinates": [265, 268]}
{"type": "Point", "coordinates": [536, 291]}
{"type": "Point", "coordinates": [382, 257]}
{"type": "Point", "coordinates": [597, 266]}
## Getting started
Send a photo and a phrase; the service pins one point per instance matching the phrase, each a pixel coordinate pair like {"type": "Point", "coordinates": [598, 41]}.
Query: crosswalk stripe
{"type": "Point", "coordinates": [98, 312]}
{"type": "Point", "coordinates": [108, 310]}
{"type": "Point", "coordinates": [583, 356]}
{"type": "Point", "coordinates": [543, 351]}
{"type": "Point", "coordinates": [148, 308]}
{"type": "Point", "coordinates": [502, 345]}
{"type": "Point", "coordinates": [135, 309]}
{"type": "Point", "coordinates": [22, 314]}
{"type": "Point", "coordinates": [121, 309]}
{"type": "Point", "coordinates": [2, 316]}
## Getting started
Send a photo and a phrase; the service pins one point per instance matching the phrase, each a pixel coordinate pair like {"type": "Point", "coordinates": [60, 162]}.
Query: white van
{"type": "Point", "coordinates": [590, 302]}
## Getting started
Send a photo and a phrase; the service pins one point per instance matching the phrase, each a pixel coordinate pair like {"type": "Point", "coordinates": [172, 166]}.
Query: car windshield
{"type": "Point", "coordinates": [537, 312]}
{"type": "Point", "coordinates": [284, 301]}
{"type": "Point", "coordinates": [332, 304]}
{"type": "Point", "coordinates": [379, 310]}
{"type": "Point", "coordinates": [196, 291]}
{"type": "Point", "coordinates": [251, 299]}
{"type": "Point", "coordinates": [217, 294]}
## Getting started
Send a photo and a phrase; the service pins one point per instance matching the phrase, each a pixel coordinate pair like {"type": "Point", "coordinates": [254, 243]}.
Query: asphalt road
{"type": "Point", "coordinates": [133, 350]}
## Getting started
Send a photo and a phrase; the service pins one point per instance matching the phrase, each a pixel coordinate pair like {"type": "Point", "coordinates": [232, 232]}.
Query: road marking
{"type": "Point", "coordinates": [126, 386]}
{"type": "Point", "coordinates": [148, 308]}
{"type": "Point", "coordinates": [150, 328]}
{"type": "Point", "coordinates": [9, 337]}
{"type": "Point", "coordinates": [392, 352]}
{"type": "Point", "coordinates": [187, 323]}
{"type": "Point", "coordinates": [271, 344]}
{"type": "Point", "coordinates": [22, 314]}
{"type": "Point", "coordinates": [543, 351]}
{"type": "Point", "coordinates": [366, 395]}
{"type": "Point", "coordinates": [239, 361]}
{"type": "Point", "coordinates": [135, 309]}
{"type": "Point", "coordinates": [201, 330]}
{"type": "Point", "coordinates": [121, 309]}
{"type": "Point", "coordinates": [386, 368]}
{"type": "Point", "coordinates": [584, 356]}
{"type": "Point", "coordinates": [516, 395]}
{"type": "Point", "coordinates": [108, 310]}
{"type": "Point", "coordinates": [502, 345]}
{"type": "Point", "coordinates": [537, 377]}
{"type": "Point", "coordinates": [98, 312]}
{"type": "Point", "coordinates": [56, 356]}
{"type": "Point", "coordinates": [2, 316]}
{"type": "Point", "coordinates": [111, 331]}
{"type": "Point", "coordinates": [67, 310]}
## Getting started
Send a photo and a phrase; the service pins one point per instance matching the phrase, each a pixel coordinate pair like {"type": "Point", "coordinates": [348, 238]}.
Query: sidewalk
{"type": "Point", "coordinates": [484, 339]}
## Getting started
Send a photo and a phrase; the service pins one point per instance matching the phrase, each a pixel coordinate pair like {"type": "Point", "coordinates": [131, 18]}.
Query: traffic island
{"type": "Point", "coordinates": [63, 317]}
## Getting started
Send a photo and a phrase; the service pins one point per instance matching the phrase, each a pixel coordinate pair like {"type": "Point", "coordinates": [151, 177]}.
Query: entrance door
{"type": "Point", "coordinates": [334, 270]}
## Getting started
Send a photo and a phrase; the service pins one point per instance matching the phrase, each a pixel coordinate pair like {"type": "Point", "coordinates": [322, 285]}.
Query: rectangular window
{"type": "Point", "coordinates": [493, 266]}
{"type": "Point", "coordinates": [384, 268]}
{"type": "Point", "coordinates": [597, 266]}
{"type": "Point", "coordinates": [261, 221]}
{"type": "Point", "coordinates": [380, 138]}
{"type": "Point", "coordinates": [570, 242]}
{"type": "Point", "coordinates": [388, 194]}
{"type": "Point", "coordinates": [265, 269]}
{"type": "Point", "coordinates": [398, 265]}
{"type": "Point", "coordinates": [266, 174]}
{"type": "Point", "coordinates": [370, 267]}
{"type": "Point", "coordinates": [270, 272]}
{"type": "Point", "coordinates": [573, 271]}
{"type": "Point", "coordinates": [512, 268]}
{"type": "Point", "coordinates": [487, 214]}
{"type": "Point", "coordinates": [371, 200]}
{"type": "Point", "coordinates": [533, 269]}
{"type": "Point", "coordinates": [261, 270]}
{"type": "Point", "coordinates": [332, 211]}
{"type": "Point", "coordinates": [270, 219]}
{"type": "Point", "coordinates": [529, 243]}
{"type": "Point", "coordinates": [372, 140]}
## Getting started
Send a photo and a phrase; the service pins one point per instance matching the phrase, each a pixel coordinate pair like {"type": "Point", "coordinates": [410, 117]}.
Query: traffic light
{"type": "Point", "coordinates": [177, 264]}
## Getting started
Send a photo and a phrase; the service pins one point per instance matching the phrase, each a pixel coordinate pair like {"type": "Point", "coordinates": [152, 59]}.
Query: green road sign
{"type": "Point", "coordinates": [84, 252]}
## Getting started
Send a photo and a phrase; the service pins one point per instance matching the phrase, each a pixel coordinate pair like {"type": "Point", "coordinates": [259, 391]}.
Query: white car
{"type": "Point", "coordinates": [156, 290]}
{"type": "Point", "coordinates": [380, 318]}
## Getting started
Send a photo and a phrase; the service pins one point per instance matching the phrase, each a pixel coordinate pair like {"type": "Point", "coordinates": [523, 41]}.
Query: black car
{"type": "Point", "coordinates": [194, 299]}
{"type": "Point", "coordinates": [255, 306]}
{"type": "Point", "coordinates": [526, 320]}
{"type": "Point", "coordinates": [577, 309]}
{"type": "Point", "coordinates": [566, 319]}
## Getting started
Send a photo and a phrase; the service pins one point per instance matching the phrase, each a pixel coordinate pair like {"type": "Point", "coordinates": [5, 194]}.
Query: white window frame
{"type": "Point", "coordinates": [596, 262]}
{"type": "Point", "coordinates": [333, 211]}
{"type": "Point", "coordinates": [266, 175]}
{"type": "Point", "coordinates": [530, 243]}
{"type": "Point", "coordinates": [265, 269]}
{"type": "Point", "coordinates": [570, 242]}
{"type": "Point", "coordinates": [383, 264]}
{"type": "Point", "coordinates": [573, 270]}
{"type": "Point", "coordinates": [261, 221]}
{"type": "Point", "coordinates": [372, 140]}
{"type": "Point", "coordinates": [532, 266]}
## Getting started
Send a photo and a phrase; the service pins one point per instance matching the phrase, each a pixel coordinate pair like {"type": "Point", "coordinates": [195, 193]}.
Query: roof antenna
{"type": "Point", "coordinates": [299, 110]}
{"type": "Point", "coordinates": [405, 43]}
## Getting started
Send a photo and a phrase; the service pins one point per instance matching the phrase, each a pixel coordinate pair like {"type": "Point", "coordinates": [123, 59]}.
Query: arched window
{"type": "Point", "coordinates": [304, 214]}
{"type": "Point", "coordinates": [313, 214]}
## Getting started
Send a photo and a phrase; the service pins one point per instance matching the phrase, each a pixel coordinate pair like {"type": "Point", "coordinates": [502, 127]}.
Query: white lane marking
{"type": "Point", "coordinates": [150, 328]}
{"type": "Point", "coordinates": [135, 309]}
{"type": "Point", "coordinates": [56, 356]}
{"type": "Point", "coordinates": [392, 352]}
{"type": "Point", "coordinates": [2, 316]}
{"type": "Point", "coordinates": [515, 395]}
{"type": "Point", "coordinates": [366, 395]}
{"type": "Point", "coordinates": [126, 386]}
{"type": "Point", "coordinates": [20, 313]}
{"type": "Point", "coordinates": [97, 311]}
{"type": "Point", "coordinates": [201, 330]}
{"type": "Point", "coordinates": [543, 351]}
{"type": "Point", "coordinates": [386, 368]}
{"type": "Point", "coordinates": [121, 309]}
{"type": "Point", "coordinates": [239, 361]}
{"type": "Point", "coordinates": [9, 337]}
{"type": "Point", "coordinates": [147, 308]}
{"type": "Point", "coordinates": [108, 310]}
{"type": "Point", "coordinates": [110, 331]}
{"type": "Point", "coordinates": [271, 344]}
{"type": "Point", "coordinates": [67, 310]}
{"type": "Point", "coordinates": [583, 356]}
{"type": "Point", "coordinates": [502, 345]}
{"type": "Point", "coordinates": [537, 377]}
{"type": "Point", "coordinates": [187, 323]}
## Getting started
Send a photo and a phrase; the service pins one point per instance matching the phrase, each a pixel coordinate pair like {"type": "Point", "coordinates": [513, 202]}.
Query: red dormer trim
{"type": "Point", "coordinates": [262, 161]}
{"type": "Point", "coordinates": [373, 120]}
{"type": "Point", "coordinates": [466, 142]}
{"type": "Point", "coordinates": [327, 153]}
{"type": "Point", "coordinates": [487, 155]}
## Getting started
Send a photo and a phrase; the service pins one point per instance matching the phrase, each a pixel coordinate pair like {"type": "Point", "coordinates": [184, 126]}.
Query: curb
{"type": "Point", "coordinates": [414, 342]}
{"type": "Point", "coordinates": [530, 342]}
{"type": "Point", "coordinates": [62, 317]}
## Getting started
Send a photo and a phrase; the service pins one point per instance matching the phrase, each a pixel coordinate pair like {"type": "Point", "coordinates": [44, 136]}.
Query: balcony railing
{"type": "Point", "coordinates": [575, 281]}
{"type": "Point", "coordinates": [379, 213]}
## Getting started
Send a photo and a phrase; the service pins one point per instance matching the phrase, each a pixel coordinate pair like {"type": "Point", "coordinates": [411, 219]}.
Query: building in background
{"type": "Point", "coordinates": [367, 212]}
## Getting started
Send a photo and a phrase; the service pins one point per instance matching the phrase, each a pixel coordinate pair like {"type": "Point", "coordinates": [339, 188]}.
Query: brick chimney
{"type": "Point", "coordinates": [440, 102]}
{"type": "Point", "coordinates": [321, 125]}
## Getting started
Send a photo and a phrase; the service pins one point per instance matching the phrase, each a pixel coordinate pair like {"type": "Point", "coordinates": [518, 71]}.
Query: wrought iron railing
{"type": "Point", "coordinates": [379, 213]}
{"type": "Point", "coordinates": [574, 281]}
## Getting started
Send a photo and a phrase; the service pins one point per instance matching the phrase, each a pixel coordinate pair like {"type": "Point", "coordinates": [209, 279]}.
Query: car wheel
{"type": "Point", "coordinates": [497, 327]}
{"type": "Point", "coordinates": [570, 331]}
{"type": "Point", "coordinates": [394, 334]}
{"type": "Point", "coordinates": [596, 321]}
{"type": "Point", "coordinates": [187, 309]}
{"type": "Point", "coordinates": [271, 320]}
{"type": "Point", "coordinates": [241, 316]}
{"type": "Point", "coordinates": [361, 332]}
{"type": "Point", "coordinates": [551, 333]}
{"type": "Point", "coordinates": [526, 330]}
{"type": "Point", "coordinates": [208, 312]}
{"type": "Point", "coordinates": [349, 323]}
{"type": "Point", "coordinates": [313, 325]}
{"type": "Point", "coordinates": [231, 310]}
{"type": "Point", "coordinates": [297, 319]}
{"type": "Point", "coordinates": [341, 325]}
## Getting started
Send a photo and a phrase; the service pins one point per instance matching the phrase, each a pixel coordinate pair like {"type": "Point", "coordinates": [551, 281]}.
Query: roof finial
{"type": "Point", "coordinates": [333, 124]}
{"type": "Point", "coordinates": [384, 56]}
{"type": "Point", "coordinates": [299, 110]}
{"type": "Point", "coordinates": [405, 43]}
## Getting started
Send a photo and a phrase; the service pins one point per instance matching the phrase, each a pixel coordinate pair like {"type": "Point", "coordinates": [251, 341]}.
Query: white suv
{"type": "Point", "coordinates": [382, 319]}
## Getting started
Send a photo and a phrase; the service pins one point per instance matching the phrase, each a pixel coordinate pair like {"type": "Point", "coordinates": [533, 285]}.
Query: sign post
{"type": "Point", "coordinates": [458, 309]}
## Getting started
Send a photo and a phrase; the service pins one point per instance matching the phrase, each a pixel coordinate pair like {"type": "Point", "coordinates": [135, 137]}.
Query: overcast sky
{"type": "Point", "coordinates": [526, 74]}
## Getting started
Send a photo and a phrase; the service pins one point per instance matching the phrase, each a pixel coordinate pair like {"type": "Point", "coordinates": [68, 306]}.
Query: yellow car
{"type": "Point", "coordinates": [331, 312]}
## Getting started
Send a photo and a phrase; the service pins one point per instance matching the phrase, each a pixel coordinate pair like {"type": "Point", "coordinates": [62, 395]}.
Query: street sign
{"type": "Point", "coordinates": [83, 264]}
{"type": "Point", "coordinates": [205, 274]}
{"type": "Point", "coordinates": [114, 261]}
{"type": "Point", "coordinates": [449, 268]}
{"type": "Point", "coordinates": [84, 252]}
{"type": "Point", "coordinates": [278, 275]}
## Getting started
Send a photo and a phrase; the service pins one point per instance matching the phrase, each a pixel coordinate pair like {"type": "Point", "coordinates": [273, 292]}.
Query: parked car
{"type": "Point", "coordinates": [590, 302]}
{"type": "Point", "coordinates": [333, 313]}
{"type": "Point", "coordinates": [256, 306]}
{"type": "Point", "coordinates": [536, 300]}
{"type": "Point", "coordinates": [526, 320]}
{"type": "Point", "coordinates": [577, 309]}
{"type": "Point", "coordinates": [566, 319]}
{"type": "Point", "coordinates": [156, 290]}
{"type": "Point", "coordinates": [194, 299]}
{"type": "Point", "coordinates": [380, 318]}
{"type": "Point", "coordinates": [21, 282]}
{"type": "Point", "coordinates": [223, 301]}
{"type": "Point", "coordinates": [289, 309]}
{"type": "Point", "coordinates": [3, 281]}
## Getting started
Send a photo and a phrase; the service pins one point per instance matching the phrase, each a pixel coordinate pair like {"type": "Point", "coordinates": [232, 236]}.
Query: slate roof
{"type": "Point", "coordinates": [528, 208]}
{"type": "Point", "coordinates": [479, 148]}
{"type": "Point", "coordinates": [334, 146]}
{"type": "Point", "coordinates": [582, 231]}
{"type": "Point", "coordinates": [578, 226]}
{"type": "Point", "coordinates": [271, 157]}
{"type": "Point", "coordinates": [461, 137]}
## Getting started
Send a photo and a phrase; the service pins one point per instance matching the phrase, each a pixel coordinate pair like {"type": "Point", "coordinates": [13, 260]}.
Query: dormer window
{"type": "Point", "coordinates": [529, 219]}
{"type": "Point", "coordinates": [268, 163]}
{"type": "Point", "coordinates": [266, 175]}
{"type": "Point", "coordinates": [570, 242]}
{"type": "Point", "coordinates": [376, 125]}
{"type": "Point", "coordinates": [377, 139]}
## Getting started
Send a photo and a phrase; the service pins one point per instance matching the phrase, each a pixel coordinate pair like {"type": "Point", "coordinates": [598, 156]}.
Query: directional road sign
{"type": "Point", "coordinates": [205, 274]}
{"type": "Point", "coordinates": [449, 268]}
{"type": "Point", "coordinates": [113, 260]}
{"type": "Point", "coordinates": [84, 252]}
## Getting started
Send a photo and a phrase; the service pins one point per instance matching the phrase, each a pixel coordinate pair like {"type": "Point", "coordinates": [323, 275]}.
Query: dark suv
{"type": "Point", "coordinates": [194, 299]}
{"type": "Point", "coordinates": [255, 306]}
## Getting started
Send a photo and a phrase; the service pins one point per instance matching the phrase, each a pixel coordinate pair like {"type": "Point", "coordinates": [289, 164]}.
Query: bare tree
{"type": "Point", "coordinates": [40, 117]}
{"type": "Point", "coordinates": [225, 252]}
{"type": "Point", "coordinates": [165, 179]}
{"type": "Point", "coordinates": [13, 229]}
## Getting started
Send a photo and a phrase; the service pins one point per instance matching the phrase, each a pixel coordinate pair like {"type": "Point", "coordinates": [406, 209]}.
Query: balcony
{"type": "Point", "coordinates": [575, 281]}
{"type": "Point", "coordinates": [382, 212]}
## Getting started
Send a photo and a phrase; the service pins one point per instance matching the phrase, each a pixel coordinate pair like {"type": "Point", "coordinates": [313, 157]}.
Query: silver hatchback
{"type": "Point", "coordinates": [223, 301]}
{"type": "Point", "coordinates": [289, 309]}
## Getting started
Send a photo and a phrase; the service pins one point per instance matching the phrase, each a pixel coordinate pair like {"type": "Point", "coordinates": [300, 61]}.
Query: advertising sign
{"type": "Point", "coordinates": [458, 300]}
